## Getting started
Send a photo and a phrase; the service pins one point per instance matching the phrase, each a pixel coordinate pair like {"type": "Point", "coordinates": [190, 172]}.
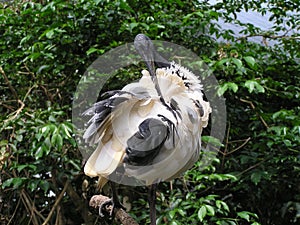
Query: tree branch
{"type": "Point", "coordinates": [120, 214]}
{"type": "Point", "coordinates": [9, 84]}
{"type": "Point", "coordinates": [56, 203]}
{"type": "Point", "coordinates": [81, 205]}
{"type": "Point", "coordinates": [270, 36]}
{"type": "Point", "coordinates": [253, 107]}
{"type": "Point", "coordinates": [16, 113]}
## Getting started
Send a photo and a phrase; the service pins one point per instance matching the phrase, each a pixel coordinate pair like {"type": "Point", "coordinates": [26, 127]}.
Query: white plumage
{"type": "Point", "coordinates": [151, 129]}
{"type": "Point", "coordinates": [179, 151]}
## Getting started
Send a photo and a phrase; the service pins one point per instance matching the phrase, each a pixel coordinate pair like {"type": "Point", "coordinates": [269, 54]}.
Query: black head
{"type": "Point", "coordinates": [146, 50]}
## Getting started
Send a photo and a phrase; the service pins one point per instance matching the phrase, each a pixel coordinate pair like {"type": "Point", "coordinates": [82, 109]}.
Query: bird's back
{"type": "Point", "coordinates": [151, 141]}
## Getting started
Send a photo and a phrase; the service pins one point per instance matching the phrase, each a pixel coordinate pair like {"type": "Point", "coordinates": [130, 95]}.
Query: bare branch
{"type": "Point", "coordinates": [14, 213]}
{"type": "Point", "coordinates": [253, 107]}
{"type": "Point", "coordinates": [56, 203]}
{"type": "Point", "coordinates": [237, 148]}
{"type": "Point", "coordinates": [251, 167]}
{"type": "Point", "coordinates": [17, 112]}
{"type": "Point", "coordinates": [9, 84]}
{"type": "Point", "coordinates": [269, 36]}
{"type": "Point", "coordinates": [30, 207]}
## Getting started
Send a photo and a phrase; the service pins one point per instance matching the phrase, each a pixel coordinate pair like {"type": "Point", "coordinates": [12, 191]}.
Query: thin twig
{"type": "Point", "coordinates": [15, 211]}
{"type": "Point", "coordinates": [32, 206]}
{"type": "Point", "coordinates": [242, 145]}
{"type": "Point", "coordinates": [266, 35]}
{"type": "Point", "coordinates": [17, 112]}
{"type": "Point", "coordinates": [28, 92]}
{"type": "Point", "coordinates": [245, 141]}
{"type": "Point", "coordinates": [47, 93]}
{"type": "Point", "coordinates": [9, 84]}
{"type": "Point", "coordinates": [226, 147]}
{"type": "Point", "coordinates": [7, 106]}
{"type": "Point", "coordinates": [253, 107]}
{"type": "Point", "coordinates": [250, 168]}
{"type": "Point", "coordinates": [61, 195]}
{"type": "Point", "coordinates": [29, 207]}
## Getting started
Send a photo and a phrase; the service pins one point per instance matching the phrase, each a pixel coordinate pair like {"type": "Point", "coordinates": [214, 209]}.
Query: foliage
{"type": "Point", "coordinates": [46, 46]}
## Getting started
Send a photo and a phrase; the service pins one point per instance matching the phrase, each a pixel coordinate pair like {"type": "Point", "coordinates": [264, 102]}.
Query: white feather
{"type": "Point", "coordinates": [179, 153]}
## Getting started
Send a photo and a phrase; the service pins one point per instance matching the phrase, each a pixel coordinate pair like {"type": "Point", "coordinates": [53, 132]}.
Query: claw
{"type": "Point", "coordinates": [114, 204]}
{"type": "Point", "coordinates": [102, 207]}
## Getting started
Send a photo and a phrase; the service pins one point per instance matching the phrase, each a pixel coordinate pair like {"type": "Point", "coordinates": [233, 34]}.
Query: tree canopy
{"type": "Point", "coordinates": [45, 48]}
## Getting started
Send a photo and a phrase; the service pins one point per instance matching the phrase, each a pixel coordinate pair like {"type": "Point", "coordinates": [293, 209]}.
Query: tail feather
{"type": "Point", "coordinates": [104, 160]}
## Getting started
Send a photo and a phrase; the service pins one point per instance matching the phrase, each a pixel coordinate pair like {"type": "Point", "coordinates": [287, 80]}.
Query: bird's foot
{"type": "Point", "coordinates": [114, 204]}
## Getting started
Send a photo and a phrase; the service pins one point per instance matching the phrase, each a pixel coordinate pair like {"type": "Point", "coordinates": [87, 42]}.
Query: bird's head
{"type": "Point", "coordinates": [145, 48]}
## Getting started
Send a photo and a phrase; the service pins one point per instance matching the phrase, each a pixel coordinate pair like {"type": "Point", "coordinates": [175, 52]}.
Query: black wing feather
{"type": "Point", "coordinates": [146, 143]}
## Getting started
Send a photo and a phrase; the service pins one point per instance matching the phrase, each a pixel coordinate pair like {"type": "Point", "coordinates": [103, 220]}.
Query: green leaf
{"type": "Point", "coordinates": [57, 141]}
{"type": "Point", "coordinates": [172, 214]}
{"type": "Point", "coordinates": [181, 212]}
{"type": "Point", "coordinates": [211, 140]}
{"type": "Point", "coordinates": [244, 215]}
{"type": "Point", "coordinates": [50, 33]}
{"type": "Point", "coordinates": [287, 143]}
{"type": "Point", "coordinates": [3, 143]}
{"type": "Point", "coordinates": [237, 62]}
{"type": "Point", "coordinates": [253, 85]}
{"type": "Point", "coordinates": [47, 143]}
{"type": "Point", "coordinates": [33, 184]}
{"type": "Point", "coordinates": [16, 182]}
{"type": "Point", "coordinates": [7, 183]}
{"type": "Point", "coordinates": [255, 223]}
{"type": "Point", "coordinates": [256, 177]}
{"type": "Point", "coordinates": [52, 119]}
{"type": "Point", "coordinates": [19, 137]}
{"type": "Point", "coordinates": [45, 130]}
{"type": "Point", "coordinates": [227, 86]}
{"type": "Point", "coordinates": [221, 62]}
{"type": "Point", "coordinates": [66, 130]}
{"type": "Point", "coordinates": [39, 152]}
{"type": "Point", "coordinates": [97, 1]}
{"type": "Point", "coordinates": [220, 204]}
{"type": "Point", "coordinates": [125, 6]}
{"type": "Point", "coordinates": [202, 213]}
{"type": "Point", "coordinates": [132, 26]}
{"type": "Point", "coordinates": [190, 15]}
{"type": "Point", "coordinates": [21, 167]}
{"type": "Point", "coordinates": [210, 210]}
{"type": "Point", "coordinates": [25, 39]}
{"type": "Point", "coordinates": [44, 185]}
{"type": "Point", "coordinates": [91, 50]}
{"type": "Point", "coordinates": [250, 62]}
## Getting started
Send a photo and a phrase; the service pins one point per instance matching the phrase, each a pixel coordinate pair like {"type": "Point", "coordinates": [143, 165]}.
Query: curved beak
{"type": "Point", "coordinates": [145, 48]}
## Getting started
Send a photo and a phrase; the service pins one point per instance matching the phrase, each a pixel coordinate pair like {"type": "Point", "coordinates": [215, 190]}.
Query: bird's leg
{"type": "Point", "coordinates": [152, 201]}
{"type": "Point", "coordinates": [114, 202]}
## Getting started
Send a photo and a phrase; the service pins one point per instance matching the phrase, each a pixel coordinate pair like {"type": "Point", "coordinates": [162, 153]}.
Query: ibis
{"type": "Point", "coordinates": [150, 129]}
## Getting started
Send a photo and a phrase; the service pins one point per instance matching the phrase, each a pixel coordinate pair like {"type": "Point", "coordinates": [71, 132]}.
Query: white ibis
{"type": "Point", "coordinates": [151, 128]}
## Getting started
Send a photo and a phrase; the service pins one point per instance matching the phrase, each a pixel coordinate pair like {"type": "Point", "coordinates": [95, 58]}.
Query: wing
{"type": "Point", "coordinates": [146, 143]}
{"type": "Point", "coordinates": [109, 152]}
{"type": "Point", "coordinates": [121, 126]}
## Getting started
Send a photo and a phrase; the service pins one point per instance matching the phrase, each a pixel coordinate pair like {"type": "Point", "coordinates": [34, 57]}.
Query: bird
{"type": "Point", "coordinates": [150, 130]}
